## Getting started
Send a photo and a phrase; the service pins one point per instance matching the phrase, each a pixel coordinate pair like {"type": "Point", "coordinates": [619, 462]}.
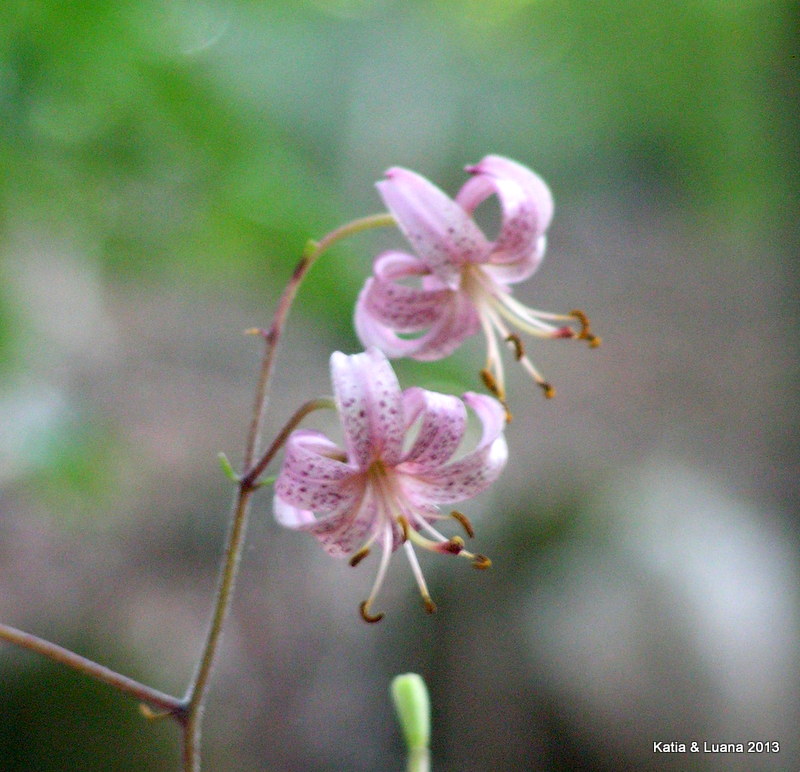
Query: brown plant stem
{"type": "Point", "coordinates": [198, 688]}
{"type": "Point", "coordinates": [145, 694]}
{"type": "Point", "coordinates": [272, 336]}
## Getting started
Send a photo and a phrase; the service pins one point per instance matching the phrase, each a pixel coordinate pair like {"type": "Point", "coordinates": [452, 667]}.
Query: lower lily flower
{"type": "Point", "coordinates": [396, 468]}
{"type": "Point", "coordinates": [463, 278]}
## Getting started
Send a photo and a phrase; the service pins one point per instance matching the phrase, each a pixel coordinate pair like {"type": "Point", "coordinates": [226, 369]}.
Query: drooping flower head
{"type": "Point", "coordinates": [464, 278]}
{"type": "Point", "coordinates": [397, 466]}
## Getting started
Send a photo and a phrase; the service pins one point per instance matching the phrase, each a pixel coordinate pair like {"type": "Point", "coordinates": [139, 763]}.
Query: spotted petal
{"type": "Point", "coordinates": [526, 203]}
{"type": "Point", "coordinates": [342, 531]}
{"type": "Point", "coordinates": [456, 320]}
{"type": "Point", "coordinates": [441, 232]}
{"type": "Point", "coordinates": [399, 306]}
{"type": "Point", "coordinates": [312, 477]}
{"type": "Point", "coordinates": [369, 402]}
{"type": "Point", "coordinates": [472, 474]}
{"type": "Point", "coordinates": [442, 418]}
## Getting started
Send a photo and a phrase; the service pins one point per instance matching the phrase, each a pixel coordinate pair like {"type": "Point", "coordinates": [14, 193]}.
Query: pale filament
{"type": "Point", "coordinates": [430, 606]}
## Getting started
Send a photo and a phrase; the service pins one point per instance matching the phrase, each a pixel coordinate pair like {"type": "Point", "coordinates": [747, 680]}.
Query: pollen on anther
{"type": "Point", "coordinates": [516, 343]}
{"type": "Point", "coordinates": [585, 331]}
{"type": "Point", "coordinates": [404, 525]}
{"type": "Point", "coordinates": [359, 556]}
{"type": "Point", "coordinates": [366, 616]}
{"type": "Point", "coordinates": [491, 383]}
{"type": "Point", "coordinates": [464, 521]}
{"type": "Point", "coordinates": [481, 562]}
{"type": "Point", "coordinates": [549, 391]}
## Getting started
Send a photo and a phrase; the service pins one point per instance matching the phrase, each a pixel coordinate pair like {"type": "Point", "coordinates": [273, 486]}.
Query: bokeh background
{"type": "Point", "coordinates": [162, 163]}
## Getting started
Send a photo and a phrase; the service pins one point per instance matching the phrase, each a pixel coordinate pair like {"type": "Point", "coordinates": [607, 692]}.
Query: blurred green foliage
{"type": "Point", "coordinates": [86, 725]}
{"type": "Point", "coordinates": [194, 137]}
{"type": "Point", "coordinates": [190, 140]}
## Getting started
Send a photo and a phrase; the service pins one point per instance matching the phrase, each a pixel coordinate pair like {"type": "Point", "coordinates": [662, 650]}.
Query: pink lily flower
{"type": "Point", "coordinates": [464, 278]}
{"type": "Point", "coordinates": [385, 486]}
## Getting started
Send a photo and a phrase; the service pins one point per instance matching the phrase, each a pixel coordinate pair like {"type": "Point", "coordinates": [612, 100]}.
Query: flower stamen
{"type": "Point", "coordinates": [516, 344]}
{"type": "Point", "coordinates": [585, 332]}
{"type": "Point", "coordinates": [464, 521]}
{"type": "Point", "coordinates": [359, 556]}
{"type": "Point", "coordinates": [366, 616]}
{"type": "Point", "coordinates": [430, 606]}
{"type": "Point", "coordinates": [384, 564]}
{"type": "Point", "coordinates": [491, 383]}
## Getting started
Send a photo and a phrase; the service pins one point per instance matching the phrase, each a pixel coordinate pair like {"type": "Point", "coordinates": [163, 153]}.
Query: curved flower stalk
{"type": "Point", "coordinates": [464, 279]}
{"type": "Point", "coordinates": [385, 486]}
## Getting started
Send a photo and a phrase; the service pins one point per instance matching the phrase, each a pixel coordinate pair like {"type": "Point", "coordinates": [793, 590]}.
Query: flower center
{"type": "Point", "coordinates": [400, 520]}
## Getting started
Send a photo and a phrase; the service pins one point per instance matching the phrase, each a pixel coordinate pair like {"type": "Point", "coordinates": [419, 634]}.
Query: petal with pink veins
{"type": "Point", "coordinates": [401, 307]}
{"type": "Point", "coordinates": [441, 232]}
{"type": "Point", "coordinates": [369, 403]}
{"type": "Point", "coordinates": [526, 203]}
{"type": "Point", "coordinates": [442, 418]}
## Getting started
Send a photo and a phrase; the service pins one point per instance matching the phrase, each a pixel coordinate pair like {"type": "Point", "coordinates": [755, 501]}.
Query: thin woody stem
{"type": "Point", "coordinates": [196, 693]}
{"type": "Point", "coordinates": [233, 550]}
{"type": "Point", "coordinates": [272, 336]}
{"type": "Point", "coordinates": [151, 697]}
{"type": "Point", "coordinates": [251, 478]}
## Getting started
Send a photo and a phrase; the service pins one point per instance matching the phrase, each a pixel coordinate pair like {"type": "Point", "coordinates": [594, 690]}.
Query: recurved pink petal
{"type": "Point", "coordinates": [441, 232]}
{"type": "Point", "coordinates": [442, 418]}
{"type": "Point", "coordinates": [457, 320]}
{"type": "Point", "coordinates": [511, 273]}
{"type": "Point", "coordinates": [313, 476]}
{"type": "Point", "coordinates": [399, 306]}
{"type": "Point", "coordinates": [369, 403]}
{"type": "Point", "coordinates": [526, 202]}
{"type": "Point", "coordinates": [472, 474]}
{"type": "Point", "coordinates": [341, 532]}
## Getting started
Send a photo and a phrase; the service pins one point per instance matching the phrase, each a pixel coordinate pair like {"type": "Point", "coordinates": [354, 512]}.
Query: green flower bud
{"type": "Point", "coordinates": [413, 706]}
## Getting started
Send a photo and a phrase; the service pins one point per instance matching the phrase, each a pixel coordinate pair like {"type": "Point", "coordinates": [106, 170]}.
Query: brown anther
{"type": "Point", "coordinates": [491, 383]}
{"type": "Point", "coordinates": [582, 319]}
{"type": "Point", "coordinates": [465, 523]}
{"type": "Point", "coordinates": [481, 562]}
{"type": "Point", "coordinates": [585, 331]}
{"type": "Point", "coordinates": [509, 415]}
{"type": "Point", "coordinates": [403, 523]}
{"type": "Point", "coordinates": [359, 556]}
{"type": "Point", "coordinates": [548, 390]}
{"type": "Point", "coordinates": [430, 606]}
{"type": "Point", "coordinates": [516, 344]}
{"type": "Point", "coordinates": [366, 616]}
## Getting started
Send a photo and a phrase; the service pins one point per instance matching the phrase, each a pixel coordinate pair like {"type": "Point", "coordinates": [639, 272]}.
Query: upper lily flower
{"type": "Point", "coordinates": [464, 277]}
{"type": "Point", "coordinates": [385, 486]}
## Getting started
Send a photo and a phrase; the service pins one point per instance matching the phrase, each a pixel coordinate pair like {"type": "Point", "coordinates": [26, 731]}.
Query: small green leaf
{"type": "Point", "coordinates": [227, 469]}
